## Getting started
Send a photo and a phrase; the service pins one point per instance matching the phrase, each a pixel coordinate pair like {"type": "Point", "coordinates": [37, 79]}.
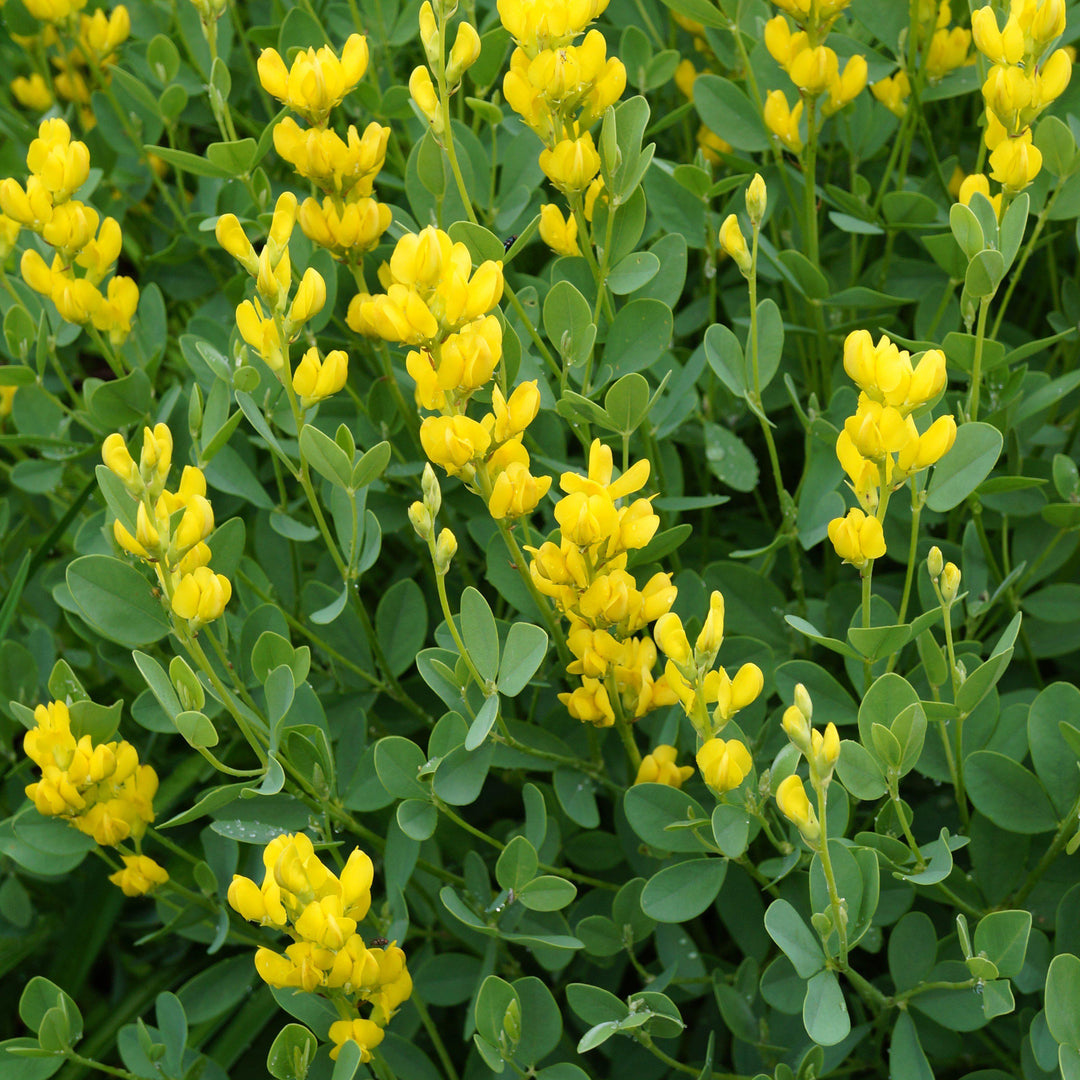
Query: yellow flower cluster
{"type": "Point", "coordinates": [586, 575]}
{"type": "Point", "coordinates": [691, 675]}
{"type": "Point", "coordinates": [102, 790]}
{"type": "Point", "coordinates": [560, 90]}
{"type": "Point", "coordinates": [821, 750]}
{"type": "Point", "coordinates": [320, 912]}
{"type": "Point", "coordinates": [949, 47]}
{"type": "Point", "coordinates": [659, 768]}
{"type": "Point", "coordinates": [171, 527]}
{"type": "Point", "coordinates": [271, 332]}
{"type": "Point", "coordinates": [880, 446]}
{"type": "Point", "coordinates": [348, 221]}
{"type": "Point", "coordinates": [59, 166]}
{"type": "Point", "coordinates": [465, 51]}
{"type": "Point", "coordinates": [94, 41]}
{"type": "Point", "coordinates": [814, 69]}
{"type": "Point", "coordinates": [1025, 78]}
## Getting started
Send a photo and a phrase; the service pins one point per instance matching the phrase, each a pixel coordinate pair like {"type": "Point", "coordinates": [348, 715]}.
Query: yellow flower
{"type": "Point", "coordinates": [795, 806]}
{"type": "Point", "coordinates": [783, 121]}
{"type": "Point", "coordinates": [463, 54]}
{"type": "Point", "coordinates": [733, 243]}
{"type": "Point", "coordinates": [669, 635]}
{"type": "Point", "coordinates": [364, 1033]}
{"type": "Point", "coordinates": [724, 765]}
{"type": "Point", "coordinates": [814, 70]}
{"type": "Point", "coordinates": [560, 234]}
{"type": "Point", "coordinates": [423, 93]}
{"type": "Point", "coordinates": [315, 380]}
{"type": "Point", "coordinates": [571, 164]}
{"type": "Point", "coordinates": [453, 442]}
{"type": "Point", "coordinates": [317, 80]}
{"type": "Point", "coordinates": [659, 768]}
{"type": "Point", "coordinates": [139, 876]}
{"type": "Point", "coordinates": [857, 538]}
{"type": "Point", "coordinates": [893, 92]}
{"type": "Point", "coordinates": [201, 597]}
{"type": "Point", "coordinates": [32, 93]}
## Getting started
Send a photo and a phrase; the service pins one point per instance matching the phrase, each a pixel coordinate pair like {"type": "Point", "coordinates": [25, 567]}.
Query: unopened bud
{"type": "Point", "coordinates": [934, 562]}
{"type": "Point", "coordinates": [757, 199]}
{"type": "Point", "coordinates": [803, 702]}
{"type": "Point", "coordinates": [186, 683]}
{"type": "Point", "coordinates": [950, 582]}
{"type": "Point", "coordinates": [421, 520]}
{"type": "Point", "coordinates": [796, 727]}
{"type": "Point", "coordinates": [432, 491]}
{"type": "Point", "coordinates": [445, 549]}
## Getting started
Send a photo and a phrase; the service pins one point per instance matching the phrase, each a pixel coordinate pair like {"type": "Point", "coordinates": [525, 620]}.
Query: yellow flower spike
{"type": "Point", "coordinates": [60, 164]}
{"type": "Point", "coordinates": [559, 233]}
{"type": "Point", "coordinates": [813, 71]}
{"type": "Point", "coordinates": [463, 54]}
{"type": "Point", "coordinates": [139, 876]}
{"type": "Point", "coordinates": [857, 538]}
{"type": "Point", "coordinates": [201, 597]}
{"type": "Point", "coordinates": [422, 90]}
{"type": "Point", "coordinates": [724, 765]}
{"type": "Point", "coordinates": [795, 806]}
{"type": "Point", "coordinates": [318, 80]}
{"type": "Point", "coordinates": [366, 1034]}
{"type": "Point", "coordinates": [783, 121]}
{"type": "Point", "coordinates": [571, 164]}
{"type": "Point", "coordinates": [733, 243]}
{"type": "Point", "coordinates": [659, 768]}
{"type": "Point", "coordinates": [32, 93]}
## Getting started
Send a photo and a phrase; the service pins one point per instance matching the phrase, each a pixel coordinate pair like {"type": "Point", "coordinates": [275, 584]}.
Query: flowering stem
{"type": "Point", "coordinates": [810, 222]}
{"type": "Point", "coordinates": [835, 900]}
{"type": "Point", "coordinates": [585, 233]}
{"type": "Point", "coordinates": [976, 364]}
{"type": "Point", "coordinates": [444, 601]}
{"type": "Point", "coordinates": [916, 512]}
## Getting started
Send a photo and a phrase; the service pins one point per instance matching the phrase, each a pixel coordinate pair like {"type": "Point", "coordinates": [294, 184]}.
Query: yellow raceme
{"type": "Point", "coordinates": [317, 80]}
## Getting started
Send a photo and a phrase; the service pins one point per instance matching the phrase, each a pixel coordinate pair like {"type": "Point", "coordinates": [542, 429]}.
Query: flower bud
{"type": "Point", "coordinates": [934, 562]}
{"type": "Point", "coordinates": [795, 806]}
{"type": "Point", "coordinates": [734, 243]}
{"type": "Point", "coordinates": [712, 633]}
{"type": "Point", "coordinates": [445, 549]}
{"type": "Point", "coordinates": [950, 582]}
{"type": "Point", "coordinates": [420, 518]}
{"type": "Point", "coordinates": [423, 93]}
{"type": "Point", "coordinates": [757, 198]}
{"type": "Point", "coordinates": [114, 453]}
{"type": "Point", "coordinates": [432, 492]}
{"type": "Point", "coordinates": [429, 34]}
{"type": "Point", "coordinates": [824, 751]}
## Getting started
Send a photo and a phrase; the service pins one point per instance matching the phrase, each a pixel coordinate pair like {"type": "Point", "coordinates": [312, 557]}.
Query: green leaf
{"type": "Point", "coordinates": [912, 950]}
{"type": "Point", "coordinates": [651, 808]}
{"type": "Point", "coordinates": [632, 272]}
{"type": "Point", "coordinates": [965, 466]}
{"type": "Point", "coordinates": [966, 228]}
{"type": "Point", "coordinates": [39, 996]}
{"type": "Point", "coordinates": [115, 599]}
{"type": "Point", "coordinates": [417, 818]}
{"type": "Point", "coordinates": [196, 728]}
{"type": "Point", "coordinates": [731, 829]}
{"type": "Point", "coordinates": [480, 634]}
{"type": "Point", "coordinates": [397, 762]}
{"type": "Point", "coordinates": [729, 458]}
{"type": "Point", "coordinates": [825, 1014]}
{"type": "Point", "coordinates": [627, 402]}
{"type": "Point", "coordinates": [1053, 758]}
{"type": "Point", "coordinates": [483, 722]}
{"type": "Point", "coordinates": [1008, 794]}
{"type": "Point", "coordinates": [523, 652]}
{"type": "Point", "coordinates": [401, 621]}
{"type": "Point", "coordinates": [700, 11]}
{"type": "Point", "coordinates": [906, 1055]}
{"type": "Point", "coordinates": [724, 108]}
{"type": "Point", "coordinates": [517, 864]}
{"type": "Point", "coordinates": [195, 164]}
{"type": "Point", "coordinates": [371, 465]}
{"type": "Point", "coordinates": [547, 893]}
{"type": "Point", "coordinates": [568, 323]}
{"type": "Point", "coordinates": [325, 456]}
{"type": "Point", "coordinates": [1003, 936]}
{"type": "Point", "coordinates": [638, 336]}
{"type": "Point", "coordinates": [1063, 999]}
{"type": "Point", "coordinates": [794, 938]}
{"type": "Point", "coordinates": [859, 772]}
{"type": "Point", "coordinates": [683, 891]}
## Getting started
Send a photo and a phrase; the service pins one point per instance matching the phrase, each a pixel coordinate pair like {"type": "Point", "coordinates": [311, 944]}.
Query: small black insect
{"type": "Point", "coordinates": [379, 943]}
{"type": "Point", "coordinates": [508, 243]}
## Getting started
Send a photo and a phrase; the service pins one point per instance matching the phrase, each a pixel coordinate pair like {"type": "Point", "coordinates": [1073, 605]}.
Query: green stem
{"type": "Point", "coordinates": [433, 1034]}
{"type": "Point", "coordinates": [1065, 831]}
{"type": "Point", "coordinates": [866, 574]}
{"type": "Point", "coordinates": [835, 903]}
{"type": "Point", "coordinates": [976, 364]}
